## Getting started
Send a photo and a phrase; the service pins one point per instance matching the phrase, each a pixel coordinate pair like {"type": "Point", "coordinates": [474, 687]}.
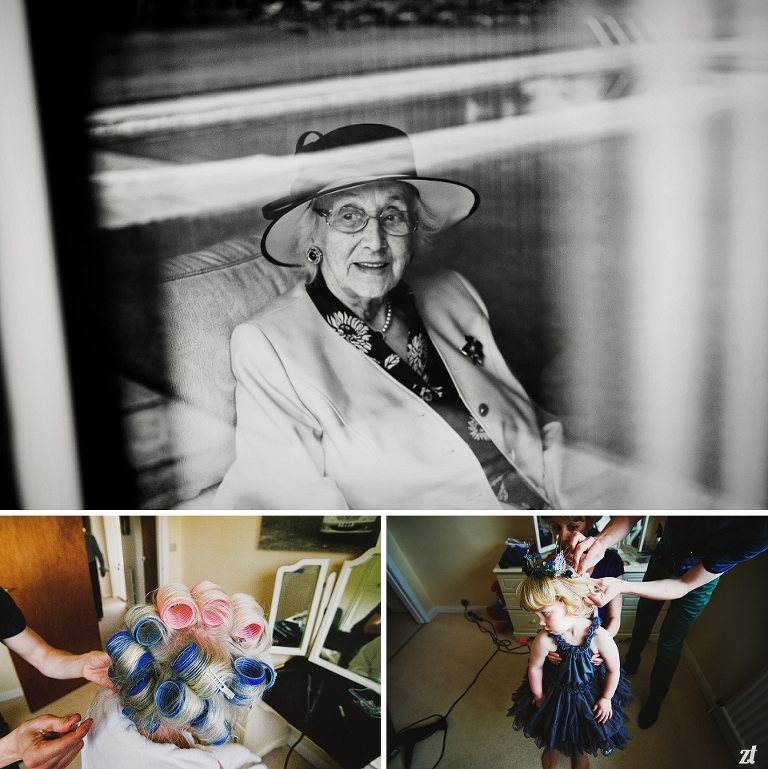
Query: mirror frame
{"type": "Point", "coordinates": [631, 550]}
{"type": "Point", "coordinates": [539, 525]}
{"type": "Point", "coordinates": [330, 612]}
{"type": "Point", "coordinates": [306, 639]}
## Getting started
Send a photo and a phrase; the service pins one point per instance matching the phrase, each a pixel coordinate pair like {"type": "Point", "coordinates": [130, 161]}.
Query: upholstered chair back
{"type": "Point", "coordinates": [203, 296]}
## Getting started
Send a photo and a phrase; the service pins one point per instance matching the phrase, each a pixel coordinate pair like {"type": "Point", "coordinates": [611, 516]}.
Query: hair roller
{"type": "Point", "coordinates": [211, 726]}
{"type": "Point", "coordinates": [204, 674]}
{"type": "Point", "coordinates": [177, 703]}
{"type": "Point", "coordinates": [146, 627]}
{"type": "Point", "coordinates": [176, 607]}
{"type": "Point", "coordinates": [130, 661]}
{"type": "Point", "coordinates": [213, 603]}
{"type": "Point", "coordinates": [248, 625]}
{"type": "Point", "coordinates": [141, 694]}
{"type": "Point", "coordinates": [252, 678]}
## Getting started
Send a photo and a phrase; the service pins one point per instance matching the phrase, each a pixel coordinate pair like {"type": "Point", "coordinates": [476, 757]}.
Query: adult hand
{"type": "Point", "coordinates": [597, 660]}
{"type": "Point", "coordinates": [586, 552]}
{"type": "Point", "coordinates": [95, 666]}
{"type": "Point", "coordinates": [50, 742]}
{"type": "Point", "coordinates": [606, 589]}
{"type": "Point", "coordinates": [554, 658]}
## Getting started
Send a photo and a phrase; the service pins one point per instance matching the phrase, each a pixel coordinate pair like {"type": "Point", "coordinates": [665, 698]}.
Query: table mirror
{"type": "Point", "coordinates": [295, 605]}
{"type": "Point", "coordinates": [349, 639]}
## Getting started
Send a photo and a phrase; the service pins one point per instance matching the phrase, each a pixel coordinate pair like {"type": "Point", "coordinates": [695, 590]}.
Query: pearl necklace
{"type": "Point", "coordinates": [387, 319]}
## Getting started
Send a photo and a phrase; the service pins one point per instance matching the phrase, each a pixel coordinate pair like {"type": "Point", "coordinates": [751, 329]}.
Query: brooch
{"type": "Point", "coordinates": [473, 350]}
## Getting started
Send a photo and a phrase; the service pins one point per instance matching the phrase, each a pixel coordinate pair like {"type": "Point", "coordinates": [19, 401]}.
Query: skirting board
{"type": "Point", "coordinates": [727, 728]}
{"type": "Point", "coordinates": [11, 694]}
{"type": "Point", "coordinates": [479, 610]}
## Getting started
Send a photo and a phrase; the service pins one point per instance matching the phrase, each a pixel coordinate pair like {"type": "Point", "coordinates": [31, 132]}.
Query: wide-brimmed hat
{"type": "Point", "coordinates": [349, 157]}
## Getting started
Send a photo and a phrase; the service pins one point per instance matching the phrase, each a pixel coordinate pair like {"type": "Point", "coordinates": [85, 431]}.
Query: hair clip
{"type": "Point", "coordinates": [557, 567]}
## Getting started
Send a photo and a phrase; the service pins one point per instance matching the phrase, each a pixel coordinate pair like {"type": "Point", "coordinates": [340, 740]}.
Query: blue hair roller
{"type": "Point", "coordinates": [207, 728]}
{"type": "Point", "coordinates": [223, 736]}
{"type": "Point", "coordinates": [250, 671]}
{"type": "Point", "coordinates": [189, 662]}
{"type": "Point", "coordinates": [169, 698]}
{"type": "Point", "coordinates": [148, 631]}
{"type": "Point", "coordinates": [118, 643]}
{"type": "Point", "coordinates": [118, 646]}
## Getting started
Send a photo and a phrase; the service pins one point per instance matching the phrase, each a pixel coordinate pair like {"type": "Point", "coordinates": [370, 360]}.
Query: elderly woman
{"type": "Point", "coordinates": [187, 668]}
{"type": "Point", "coordinates": [360, 390]}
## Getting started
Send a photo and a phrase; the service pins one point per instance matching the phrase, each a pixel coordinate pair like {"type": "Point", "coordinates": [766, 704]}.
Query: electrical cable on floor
{"type": "Point", "coordinates": [408, 736]}
{"type": "Point", "coordinates": [311, 705]}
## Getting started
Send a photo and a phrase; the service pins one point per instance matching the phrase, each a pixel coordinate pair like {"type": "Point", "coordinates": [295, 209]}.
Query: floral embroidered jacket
{"type": "Point", "coordinates": [322, 426]}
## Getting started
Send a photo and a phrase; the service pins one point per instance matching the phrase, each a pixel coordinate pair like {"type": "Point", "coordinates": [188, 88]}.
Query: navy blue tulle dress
{"type": "Point", "coordinates": [565, 721]}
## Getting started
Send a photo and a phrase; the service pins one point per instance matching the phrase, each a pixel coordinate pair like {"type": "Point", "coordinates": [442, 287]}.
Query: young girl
{"type": "Point", "coordinates": [569, 708]}
{"type": "Point", "coordinates": [563, 528]}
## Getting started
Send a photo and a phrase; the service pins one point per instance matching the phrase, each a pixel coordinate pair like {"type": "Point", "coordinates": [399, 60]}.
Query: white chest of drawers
{"type": "Point", "coordinates": [526, 624]}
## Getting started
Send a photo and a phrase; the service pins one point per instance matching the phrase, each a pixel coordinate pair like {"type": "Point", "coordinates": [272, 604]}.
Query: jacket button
{"type": "Point", "coordinates": [482, 409]}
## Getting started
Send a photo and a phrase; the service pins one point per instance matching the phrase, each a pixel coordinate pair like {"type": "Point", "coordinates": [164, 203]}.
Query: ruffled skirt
{"type": "Point", "coordinates": [565, 721]}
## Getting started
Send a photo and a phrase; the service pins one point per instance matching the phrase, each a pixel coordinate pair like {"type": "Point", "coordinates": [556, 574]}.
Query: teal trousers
{"type": "Point", "coordinates": [681, 615]}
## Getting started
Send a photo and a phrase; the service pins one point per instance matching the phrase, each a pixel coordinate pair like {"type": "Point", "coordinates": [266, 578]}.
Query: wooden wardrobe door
{"type": "Point", "coordinates": [44, 566]}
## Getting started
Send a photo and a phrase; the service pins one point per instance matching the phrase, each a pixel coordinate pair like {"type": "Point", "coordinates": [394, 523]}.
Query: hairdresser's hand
{"type": "Point", "coordinates": [606, 589]}
{"type": "Point", "coordinates": [49, 742]}
{"type": "Point", "coordinates": [602, 710]}
{"type": "Point", "coordinates": [597, 660]}
{"type": "Point", "coordinates": [554, 658]}
{"type": "Point", "coordinates": [586, 552]}
{"type": "Point", "coordinates": [94, 668]}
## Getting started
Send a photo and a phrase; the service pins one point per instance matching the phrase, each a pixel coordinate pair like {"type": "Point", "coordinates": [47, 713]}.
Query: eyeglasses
{"type": "Point", "coordinates": [351, 219]}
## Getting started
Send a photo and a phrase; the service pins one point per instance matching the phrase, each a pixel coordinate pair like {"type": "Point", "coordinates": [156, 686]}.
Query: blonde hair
{"type": "Point", "coordinates": [536, 593]}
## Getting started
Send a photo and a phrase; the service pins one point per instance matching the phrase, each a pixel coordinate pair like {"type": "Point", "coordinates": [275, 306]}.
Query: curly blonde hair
{"type": "Point", "coordinates": [536, 593]}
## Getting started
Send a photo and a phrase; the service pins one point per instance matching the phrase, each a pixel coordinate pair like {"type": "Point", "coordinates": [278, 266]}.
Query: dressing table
{"type": "Point", "coordinates": [308, 617]}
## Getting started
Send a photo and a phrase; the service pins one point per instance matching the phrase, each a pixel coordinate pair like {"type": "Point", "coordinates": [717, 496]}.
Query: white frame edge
{"type": "Point", "coordinates": [317, 645]}
{"type": "Point", "coordinates": [300, 651]}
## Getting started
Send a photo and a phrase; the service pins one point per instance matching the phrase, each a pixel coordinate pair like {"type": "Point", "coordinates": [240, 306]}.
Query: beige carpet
{"type": "Point", "coordinates": [430, 666]}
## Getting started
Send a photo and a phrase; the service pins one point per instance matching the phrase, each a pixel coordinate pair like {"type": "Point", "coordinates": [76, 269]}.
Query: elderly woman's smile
{"type": "Point", "coordinates": [362, 267]}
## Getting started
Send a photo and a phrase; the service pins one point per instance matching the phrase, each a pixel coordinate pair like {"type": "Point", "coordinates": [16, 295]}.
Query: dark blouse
{"type": "Point", "coordinates": [610, 565]}
{"type": "Point", "coordinates": [12, 621]}
{"type": "Point", "coordinates": [425, 373]}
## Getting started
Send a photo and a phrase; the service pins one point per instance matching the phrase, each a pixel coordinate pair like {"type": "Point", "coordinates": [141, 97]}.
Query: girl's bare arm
{"type": "Point", "coordinates": [539, 648]}
{"type": "Point", "coordinates": [608, 650]}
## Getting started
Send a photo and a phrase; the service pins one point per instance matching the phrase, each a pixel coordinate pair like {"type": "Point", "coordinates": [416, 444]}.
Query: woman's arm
{"type": "Point", "coordinates": [56, 663]}
{"type": "Point", "coordinates": [607, 649]}
{"type": "Point", "coordinates": [656, 590]}
{"type": "Point", "coordinates": [613, 614]}
{"type": "Point", "coordinates": [279, 456]}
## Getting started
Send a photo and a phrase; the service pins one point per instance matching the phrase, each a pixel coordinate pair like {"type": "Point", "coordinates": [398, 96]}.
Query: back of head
{"type": "Point", "coordinates": [539, 591]}
{"type": "Point", "coordinates": [192, 659]}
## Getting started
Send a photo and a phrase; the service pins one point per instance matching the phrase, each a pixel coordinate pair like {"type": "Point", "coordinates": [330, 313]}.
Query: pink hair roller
{"type": "Point", "coordinates": [176, 606]}
{"type": "Point", "coordinates": [213, 603]}
{"type": "Point", "coordinates": [249, 620]}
